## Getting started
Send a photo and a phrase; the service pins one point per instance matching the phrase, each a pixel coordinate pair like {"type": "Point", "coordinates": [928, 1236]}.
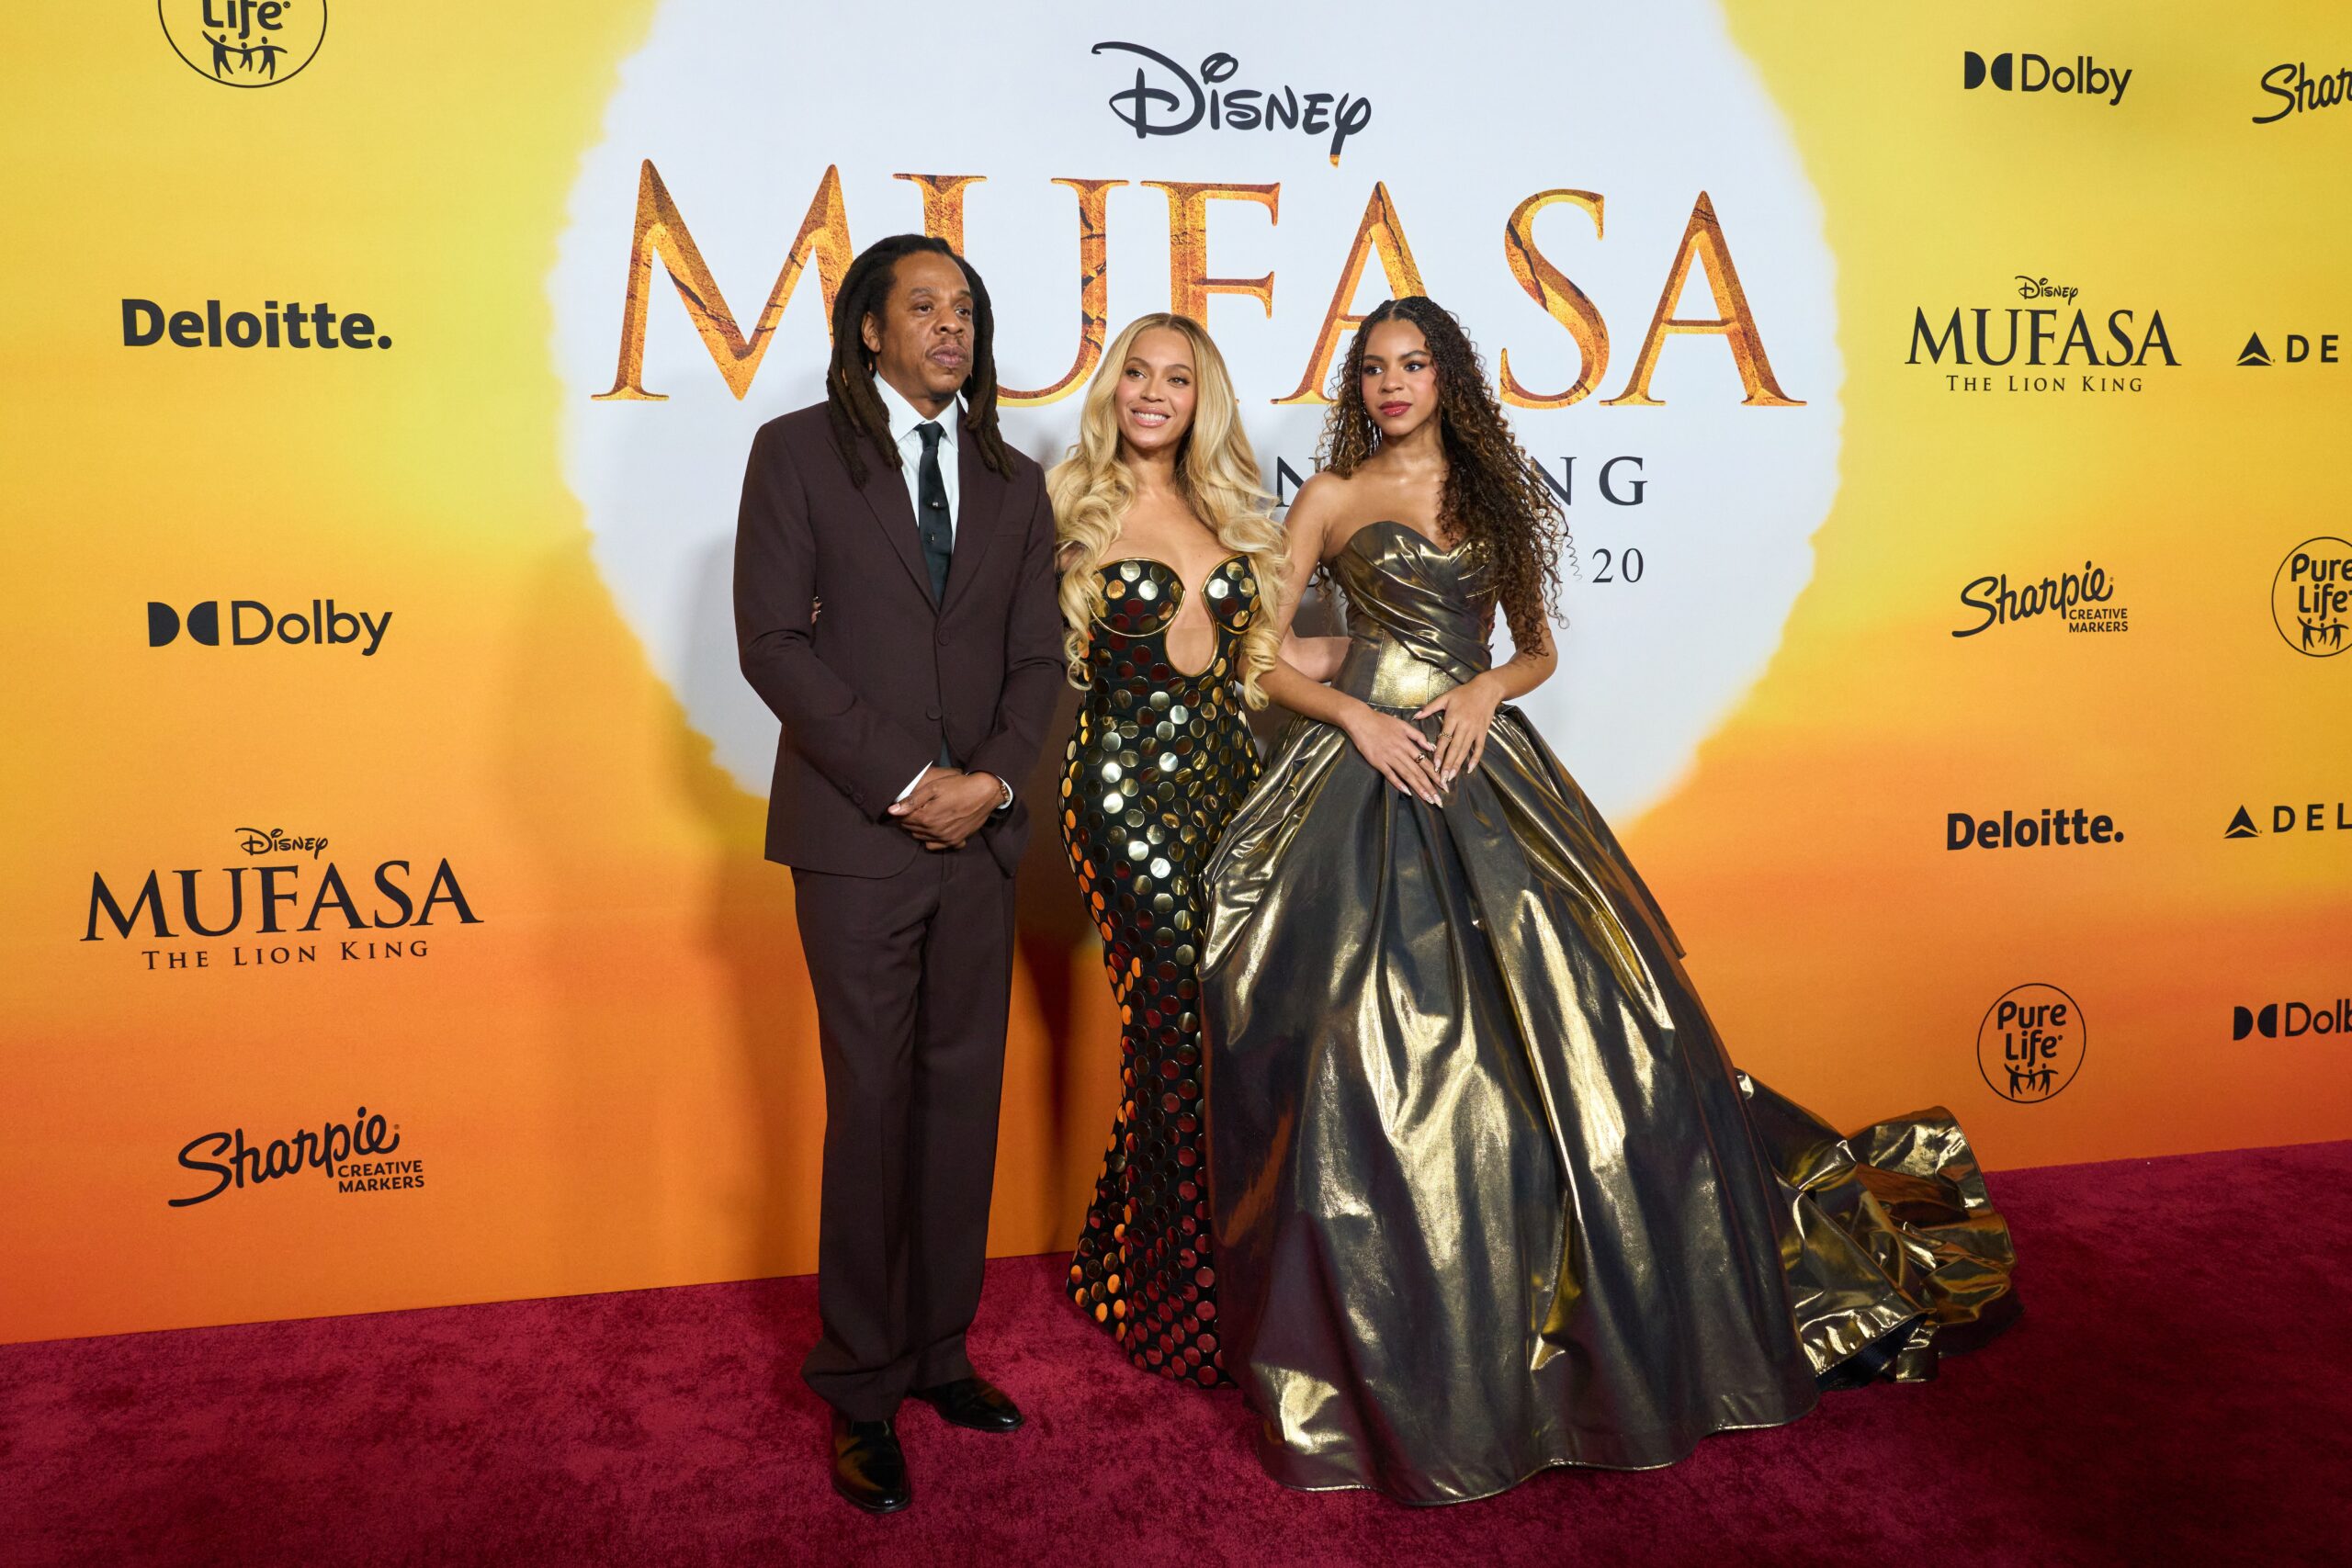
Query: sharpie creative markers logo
{"type": "Point", "coordinates": [251, 623]}
{"type": "Point", "coordinates": [2298, 90]}
{"type": "Point", "coordinates": [2031, 1044]}
{"type": "Point", "coordinates": [1168, 100]}
{"type": "Point", "coordinates": [358, 1155]}
{"type": "Point", "coordinates": [2082, 600]}
{"type": "Point", "coordinates": [245, 43]}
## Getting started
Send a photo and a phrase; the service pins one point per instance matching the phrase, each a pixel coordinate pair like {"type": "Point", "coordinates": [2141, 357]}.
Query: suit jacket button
{"type": "Point", "coordinates": [944, 640]}
{"type": "Point", "coordinates": [930, 713]}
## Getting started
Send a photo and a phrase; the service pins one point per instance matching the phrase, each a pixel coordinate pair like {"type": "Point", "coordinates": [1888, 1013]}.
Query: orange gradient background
{"type": "Point", "coordinates": [612, 1080]}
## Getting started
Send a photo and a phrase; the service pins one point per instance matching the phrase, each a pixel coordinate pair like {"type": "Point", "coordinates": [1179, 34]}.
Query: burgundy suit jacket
{"type": "Point", "coordinates": [867, 689]}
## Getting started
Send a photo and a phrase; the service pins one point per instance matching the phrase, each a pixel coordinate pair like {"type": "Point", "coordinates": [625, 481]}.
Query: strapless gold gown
{"type": "Point", "coordinates": [1489, 1197]}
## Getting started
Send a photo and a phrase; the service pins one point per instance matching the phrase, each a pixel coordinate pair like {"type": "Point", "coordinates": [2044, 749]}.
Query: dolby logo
{"type": "Point", "coordinates": [2012, 73]}
{"type": "Point", "coordinates": [2290, 1020]}
{"type": "Point", "coordinates": [2311, 817]}
{"type": "Point", "coordinates": [251, 623]}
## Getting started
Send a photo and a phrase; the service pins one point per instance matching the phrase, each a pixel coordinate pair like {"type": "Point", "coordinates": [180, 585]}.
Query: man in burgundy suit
{"type": "Point", "coordinates": [895, 606]}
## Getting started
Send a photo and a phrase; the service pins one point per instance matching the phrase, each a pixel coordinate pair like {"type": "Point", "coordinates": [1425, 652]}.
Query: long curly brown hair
{"type": "Point", "coordinates": [1494, 494]}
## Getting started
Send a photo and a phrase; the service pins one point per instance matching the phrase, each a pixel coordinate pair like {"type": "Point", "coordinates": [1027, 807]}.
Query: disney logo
{"type": "Point", "coordinates": [2043, 288]}
{"type": "Point", "coordinates": [277, 840]}
{"type": "Point", "coordinates": [1187, 99]}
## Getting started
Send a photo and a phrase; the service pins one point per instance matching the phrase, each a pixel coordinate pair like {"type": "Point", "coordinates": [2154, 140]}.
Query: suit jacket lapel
{"type": "Point", "coordinates": [885, 497]}
{"type": "Point", "coordinates": [979, 515]}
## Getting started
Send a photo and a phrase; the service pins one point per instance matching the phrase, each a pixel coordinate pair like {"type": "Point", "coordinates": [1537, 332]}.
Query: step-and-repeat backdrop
{"type": "Point", "coordinates": [1949, 409]}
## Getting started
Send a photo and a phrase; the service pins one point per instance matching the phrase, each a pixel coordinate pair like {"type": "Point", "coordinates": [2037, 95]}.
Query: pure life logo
{"type": "Point", "coordinates": [1170, 100]}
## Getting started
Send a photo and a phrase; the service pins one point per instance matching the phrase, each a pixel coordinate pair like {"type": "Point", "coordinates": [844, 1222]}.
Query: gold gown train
{"type": "Point", "coordinates": [1489, 1197]}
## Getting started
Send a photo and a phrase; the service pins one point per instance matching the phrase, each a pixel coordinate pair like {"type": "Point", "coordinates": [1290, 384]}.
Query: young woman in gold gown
{"type": "Point", "coordinates": [1489, 1196]}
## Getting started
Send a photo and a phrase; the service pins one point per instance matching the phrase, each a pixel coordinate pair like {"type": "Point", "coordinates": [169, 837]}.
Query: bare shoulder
{"type": "Point", "coordinates": [1323, 489]}
{"type": "Point", "coordinates": [1319, 506]}
{"type": "Point", "coordinates": [1335, 508]}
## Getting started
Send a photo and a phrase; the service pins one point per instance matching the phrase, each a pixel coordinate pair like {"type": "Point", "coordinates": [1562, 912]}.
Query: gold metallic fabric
{"type": "Point", "coordinates": [1489, 1196]}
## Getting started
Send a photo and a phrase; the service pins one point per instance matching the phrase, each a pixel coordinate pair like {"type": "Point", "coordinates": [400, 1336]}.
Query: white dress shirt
{"type": "Point", "coordinates": [904, 419]}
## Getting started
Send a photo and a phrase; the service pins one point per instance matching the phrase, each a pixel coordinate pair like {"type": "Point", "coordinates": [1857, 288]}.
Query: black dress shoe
{"type": "Point", "coordinates": [868, 1468]}
{"type": "Point", "coordinates": [973, 1403]}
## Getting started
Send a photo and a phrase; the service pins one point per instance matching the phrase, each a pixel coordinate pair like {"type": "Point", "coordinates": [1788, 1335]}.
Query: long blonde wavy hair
{"type": "Point", "coordinates": [1092, 487]}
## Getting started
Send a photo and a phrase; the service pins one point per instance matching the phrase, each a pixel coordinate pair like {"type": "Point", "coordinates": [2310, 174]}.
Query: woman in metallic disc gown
{"type": "Point", "coordinates": [1489, 1196]}
{"type": "Point", "coordinates": [1170, 563]}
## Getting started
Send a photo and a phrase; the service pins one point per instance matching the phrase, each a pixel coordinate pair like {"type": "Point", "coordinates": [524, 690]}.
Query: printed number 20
{"type": "Point", "coordinates": [1628, 563]}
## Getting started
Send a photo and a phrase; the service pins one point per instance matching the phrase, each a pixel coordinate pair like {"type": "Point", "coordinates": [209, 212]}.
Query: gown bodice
{"type": "Point", "coordinates": [1418, 615]}
{"type": "Point", "coordinates": [1127, 659]}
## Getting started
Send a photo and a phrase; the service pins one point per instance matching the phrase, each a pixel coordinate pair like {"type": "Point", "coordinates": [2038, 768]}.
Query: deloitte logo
{"type": "Point", "coordinates": [2015, 831]}
{"type": "Point", "coordinates": [2311, 596]}
{"type": "Point", "coordinates": [245, 43]}
{"type": "Point", "coordinates": [252, 622]}
{"type": "Point", "coordinates": [2012, 73]}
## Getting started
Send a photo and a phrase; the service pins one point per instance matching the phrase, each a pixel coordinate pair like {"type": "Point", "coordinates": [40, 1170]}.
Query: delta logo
{"type": "Point", "coordinates": [2305, 817]}
{"type": "Point", "coordinates": [2297, 348]}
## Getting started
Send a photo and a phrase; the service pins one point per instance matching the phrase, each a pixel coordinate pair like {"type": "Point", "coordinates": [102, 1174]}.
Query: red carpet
{"type": "Point", "coordinates": [2179, 1392]}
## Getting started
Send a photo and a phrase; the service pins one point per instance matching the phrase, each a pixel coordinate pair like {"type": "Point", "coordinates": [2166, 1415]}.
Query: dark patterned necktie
{"type": "Point", "coordinates": [937, 529]}
{"type": "Point", "coordinates": [932, 520]}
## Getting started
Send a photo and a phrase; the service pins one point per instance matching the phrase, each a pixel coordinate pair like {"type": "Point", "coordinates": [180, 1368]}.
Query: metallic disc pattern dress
{"type": "Point", "coordinates": [1490, 1195]}
{"type": "Point", "coordinates": [1158, 760]}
